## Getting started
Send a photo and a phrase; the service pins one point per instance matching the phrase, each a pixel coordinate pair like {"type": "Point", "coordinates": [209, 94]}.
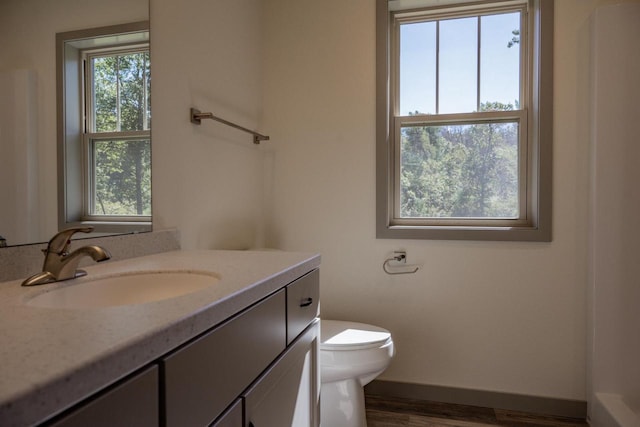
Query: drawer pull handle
{"type": "Point", "coordinates": [306, 302]}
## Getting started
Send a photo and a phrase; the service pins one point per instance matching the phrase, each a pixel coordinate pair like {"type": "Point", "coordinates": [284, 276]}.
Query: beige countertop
{"type": "Point", "coordinates": [50, 358]}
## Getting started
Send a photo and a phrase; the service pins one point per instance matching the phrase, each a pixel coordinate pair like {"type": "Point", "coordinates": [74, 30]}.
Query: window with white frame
{"type": "Point", "coordinates": [464, 120]}
{"type": "Point", "coordinates": [104, 128]}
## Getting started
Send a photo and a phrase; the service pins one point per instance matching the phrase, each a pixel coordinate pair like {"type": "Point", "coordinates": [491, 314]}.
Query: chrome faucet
{"type": "Point", "coordinates": [59, 264]}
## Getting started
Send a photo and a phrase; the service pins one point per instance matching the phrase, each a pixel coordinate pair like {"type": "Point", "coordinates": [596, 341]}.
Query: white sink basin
{"type": "Point", "coordinates": [125, 289]}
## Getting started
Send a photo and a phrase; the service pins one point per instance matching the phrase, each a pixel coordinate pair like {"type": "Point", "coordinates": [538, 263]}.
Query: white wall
{"type": "Point", "coordinates": [207, 179]}
{"type": "Point", "coordinates": [28, 32]}
{"type": "Point", "coordinates": [616, 202]}
{"type": "Point", "coordinates": [483, 315]}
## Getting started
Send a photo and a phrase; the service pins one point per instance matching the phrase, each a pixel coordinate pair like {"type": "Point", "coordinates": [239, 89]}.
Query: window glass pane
{"type": "Point", "coordinates": [148, 87]}
{"type": "Point", "coordinates": [459, 171]}
{"type": "Point", "coordinates": [105, 89]}
{"type": "Point", "coordinates": [458, 65]}
{"type": "Point", "coordinates": [500, 62]}
{"type": "Point", "coordinates": [122, 177]}
{"type": "Point", "coordinates": [133, 78]}
{"type": "Point", "coordinates": [121, 85]}
{"type": "Point", "coordinates": [418, 68]}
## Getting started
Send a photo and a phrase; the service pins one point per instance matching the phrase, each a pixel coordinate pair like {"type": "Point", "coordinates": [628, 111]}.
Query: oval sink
{"type": "Point", "coordinates": [125, 289]}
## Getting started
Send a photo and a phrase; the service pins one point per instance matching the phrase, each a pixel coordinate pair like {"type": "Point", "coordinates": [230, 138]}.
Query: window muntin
{"type": "Point", "coordinates": [459, 129]}
{"type": "Point", "coordinates": [117, 140]}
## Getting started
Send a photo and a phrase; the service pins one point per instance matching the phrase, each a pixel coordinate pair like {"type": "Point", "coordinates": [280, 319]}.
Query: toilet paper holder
{"type": "Point", "coordinates": [399, 257]}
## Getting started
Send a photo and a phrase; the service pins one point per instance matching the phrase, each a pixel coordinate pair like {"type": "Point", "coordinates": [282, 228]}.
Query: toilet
{"type": "Point", "coordinates": [351, 355]}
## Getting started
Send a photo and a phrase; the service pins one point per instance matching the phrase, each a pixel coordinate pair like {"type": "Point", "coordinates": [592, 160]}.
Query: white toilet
{"type": "Point", "coordinates": [351, 355]}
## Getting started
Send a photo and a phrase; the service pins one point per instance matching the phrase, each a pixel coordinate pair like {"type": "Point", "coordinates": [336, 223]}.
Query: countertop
{"type": "Point", "coordinates": [50, 359]}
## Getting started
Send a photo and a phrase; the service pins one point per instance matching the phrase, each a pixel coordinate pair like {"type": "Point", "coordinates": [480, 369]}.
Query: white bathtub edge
{"type": "Point", "coordinates": [609, 410]}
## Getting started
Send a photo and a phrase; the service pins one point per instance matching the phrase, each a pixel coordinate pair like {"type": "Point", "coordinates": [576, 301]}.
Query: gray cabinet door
{"type": "Point", "coordinates": [132, 403]}
{"type": "Point", "coordinates": [288, 393]}
{"type": "Point", "coordinates": [232, 417]}
{"type": "Point", "coordinates": [206, 376]}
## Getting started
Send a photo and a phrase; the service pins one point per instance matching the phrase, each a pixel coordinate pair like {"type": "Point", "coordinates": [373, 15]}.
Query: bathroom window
{"type": "Point", "coordinates": [464, 120]}
{"type": "Point", "coordinates": [117, 139]}
{"type": "Point", "coordinates": [104, 128]}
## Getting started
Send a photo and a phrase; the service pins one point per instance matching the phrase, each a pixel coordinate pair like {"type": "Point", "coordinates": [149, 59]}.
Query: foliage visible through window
{"type": "Point", "coordinates": [117, 101]}
{"type": "Point", "coordinates": [459, 171]}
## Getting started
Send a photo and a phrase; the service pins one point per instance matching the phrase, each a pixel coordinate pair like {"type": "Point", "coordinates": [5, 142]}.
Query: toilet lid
{"type": "Point", "coordinates": [341, 335]}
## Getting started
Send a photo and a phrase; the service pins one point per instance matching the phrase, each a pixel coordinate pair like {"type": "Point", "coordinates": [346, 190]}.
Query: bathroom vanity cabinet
{"type": "Point", "coordinates": [204, 377]}
{"type": "Point", "coordinates": [258, 368]}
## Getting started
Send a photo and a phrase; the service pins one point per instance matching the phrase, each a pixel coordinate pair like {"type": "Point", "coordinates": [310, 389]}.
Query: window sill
{"type": "Point", "coordinates": [112, 227]}
{"type": "Point", "coordinates": [514, 234]}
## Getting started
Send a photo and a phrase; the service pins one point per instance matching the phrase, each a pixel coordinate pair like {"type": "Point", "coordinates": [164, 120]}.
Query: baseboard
{"type": "Point", "coordinates": [483, 398]}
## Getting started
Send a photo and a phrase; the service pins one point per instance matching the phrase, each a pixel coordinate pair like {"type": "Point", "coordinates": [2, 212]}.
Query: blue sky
{"type": "Point", "coordinates": [499, 65]}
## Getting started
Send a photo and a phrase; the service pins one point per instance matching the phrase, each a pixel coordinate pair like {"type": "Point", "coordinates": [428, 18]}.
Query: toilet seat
{"type": "Point", "coordinates": [338, 335]}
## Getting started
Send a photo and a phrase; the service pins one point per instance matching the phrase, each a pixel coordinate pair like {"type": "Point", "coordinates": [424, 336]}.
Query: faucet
{"type": "Point", "coordinates": [59, 264]}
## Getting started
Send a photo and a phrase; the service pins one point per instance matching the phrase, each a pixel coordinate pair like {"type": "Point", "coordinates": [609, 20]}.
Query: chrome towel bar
{"type": "Point", "coordinates": [197, 116]}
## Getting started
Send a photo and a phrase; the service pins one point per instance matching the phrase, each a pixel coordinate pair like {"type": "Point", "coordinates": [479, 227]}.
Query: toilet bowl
{"type": "Point", "coordinates": [351, 355]}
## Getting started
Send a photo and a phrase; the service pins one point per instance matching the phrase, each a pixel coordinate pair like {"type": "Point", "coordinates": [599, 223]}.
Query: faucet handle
{"type": "Point", "coordinates": [60, 242]}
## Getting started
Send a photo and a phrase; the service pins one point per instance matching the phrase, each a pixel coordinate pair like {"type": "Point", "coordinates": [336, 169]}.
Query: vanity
{"type": "Point", "coordinates": [240, 352]}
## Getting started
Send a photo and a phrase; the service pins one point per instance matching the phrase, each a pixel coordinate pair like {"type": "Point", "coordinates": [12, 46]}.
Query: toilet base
{"type": "Point", "coordinates": [342, 404]}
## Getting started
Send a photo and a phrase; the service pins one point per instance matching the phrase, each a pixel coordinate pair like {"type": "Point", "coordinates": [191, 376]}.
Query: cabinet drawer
{"type": "Point", "coordinates": [203, 378]}
{"type": "Point", "coordinates": [303, 297]}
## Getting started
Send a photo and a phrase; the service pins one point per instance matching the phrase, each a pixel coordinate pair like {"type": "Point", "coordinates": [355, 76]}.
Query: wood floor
{"type": "Point", "coordinates": [394, 412]}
